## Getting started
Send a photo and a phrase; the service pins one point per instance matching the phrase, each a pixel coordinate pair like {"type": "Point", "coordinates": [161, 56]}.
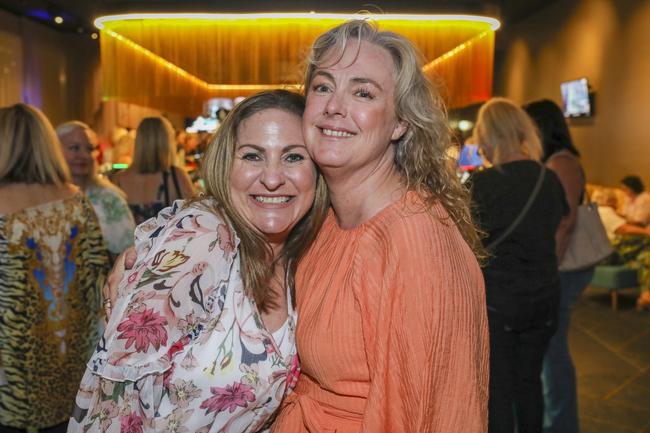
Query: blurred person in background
{"type": "Point", "coordinates": [123, 145]}
{"type": "Point", "coordinates": [53, 264]}
{"type": "Point", "coordinates": [519, 204]}
{"type": "Point", "coordinates": [153, 181]}
{"type": "Point", "coordinates": [637, 206]}
{"type": "Point", "coordinates": [631, 243]}
{"type": "Point", "coordinates": [559, 377]}
{"type": "Point", "coordinates": [79, 144]}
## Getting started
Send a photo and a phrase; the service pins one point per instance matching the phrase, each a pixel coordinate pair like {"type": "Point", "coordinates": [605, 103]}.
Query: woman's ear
{"type": "Point", "coordinates": [399, 130]}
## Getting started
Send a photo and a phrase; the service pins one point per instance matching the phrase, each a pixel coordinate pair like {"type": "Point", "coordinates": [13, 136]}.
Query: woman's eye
{"type": "Point", "coordinates": [251, 157]}
{"type": "Point", "coordinates": [295, 157]}
{"type": "Point", "coordinates": [322, 88]}
{"type": "Point", "coordinates": [364, 93]}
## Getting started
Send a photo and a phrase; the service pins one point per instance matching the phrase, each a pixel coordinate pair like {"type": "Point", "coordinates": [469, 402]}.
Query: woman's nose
{"type": "Point", "coordinates": [273, 176]}
{"type": "Point", "coordinates": [335, 105]}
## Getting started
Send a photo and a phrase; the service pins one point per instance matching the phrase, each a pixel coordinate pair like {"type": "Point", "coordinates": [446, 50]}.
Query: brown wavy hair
{"type": "Point", "coordinates": [421, 152]}
{"type": "Point", "coordinates": [257, 263]}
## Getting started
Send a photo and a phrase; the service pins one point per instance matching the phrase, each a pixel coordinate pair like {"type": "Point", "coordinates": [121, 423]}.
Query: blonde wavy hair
{"type": "Point", "coordinates": [154, 146]}
{"type": "Point", "coordinates": [255, 251]}
{"type": "Point", "coordinates": [421, 152]}
{"type": "Point", "coordinates": [504, 130]}
{"type": "Point", "coordinates": [29, 148]}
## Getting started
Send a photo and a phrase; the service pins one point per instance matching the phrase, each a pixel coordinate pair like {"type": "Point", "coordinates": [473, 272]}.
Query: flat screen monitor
{"type": "Point", "coordinates": [575, 98]}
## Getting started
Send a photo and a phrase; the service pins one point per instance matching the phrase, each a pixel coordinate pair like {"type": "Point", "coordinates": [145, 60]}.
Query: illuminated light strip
{"type": "Point", "coordinates": [99, 23]}
{"type": "Point", "coordinates": [166, 63]}
{"type": "Point", "coordinates": [454, 51]}
{"type": "Point", "coordinates": [180, 71]}
{"type": "Point", "coordinates": [493, 22]}
{"type": "Point", "coordinates": [251, 86]}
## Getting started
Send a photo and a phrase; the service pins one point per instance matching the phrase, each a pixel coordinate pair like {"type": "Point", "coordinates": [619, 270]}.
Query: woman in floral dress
{"type": "Point", "coordinates": [201, 336]}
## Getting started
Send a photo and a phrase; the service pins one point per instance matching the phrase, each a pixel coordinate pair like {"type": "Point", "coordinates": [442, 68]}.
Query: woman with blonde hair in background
{"type": "Point", "coordinates": [52, 265]}
{"type": "Point", "coordinates": [79, 144]}
{"type": "Point", "coordinates": [519, 204]}
{"type": "Point", "coordinates": [153, 182]}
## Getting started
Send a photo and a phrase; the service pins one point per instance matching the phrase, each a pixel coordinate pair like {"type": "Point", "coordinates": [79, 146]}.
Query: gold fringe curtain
{"type": "Point", "coordinates": [177, 64]}
{"type": "Point", "coordinates": [465, 74]}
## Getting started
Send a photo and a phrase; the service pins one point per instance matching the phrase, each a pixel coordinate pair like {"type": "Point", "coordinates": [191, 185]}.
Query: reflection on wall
{"type": "Point", "coordinates": [54, 71]}
{"type": "Point", "coordinates": [11, 81]}
{"type": "Point", "coordinates": [605, 41]}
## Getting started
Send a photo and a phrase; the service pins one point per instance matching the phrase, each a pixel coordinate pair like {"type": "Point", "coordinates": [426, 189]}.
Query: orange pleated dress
{"type": "Point", "coordinates": [392, 328]}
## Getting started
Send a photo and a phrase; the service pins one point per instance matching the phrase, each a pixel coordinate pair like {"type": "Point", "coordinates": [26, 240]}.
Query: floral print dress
{"type": "Point", "coordinates": [185, 350]}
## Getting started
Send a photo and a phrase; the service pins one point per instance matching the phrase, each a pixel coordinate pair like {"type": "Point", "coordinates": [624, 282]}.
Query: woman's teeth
{"type": "Point", "coordinates": [333, 133]}
{"type": "Point", "coordinates": [262, 199]}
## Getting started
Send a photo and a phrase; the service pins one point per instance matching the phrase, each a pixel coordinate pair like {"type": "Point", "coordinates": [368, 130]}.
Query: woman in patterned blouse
{"type": "Point", "coordinates": [52, 265]}
{"type": "Point", "coordinates": [201, 335]}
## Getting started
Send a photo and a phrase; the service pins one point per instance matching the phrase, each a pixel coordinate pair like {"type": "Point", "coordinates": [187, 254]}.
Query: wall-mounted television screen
{"type": "Point", "coordinates": [575, 98]}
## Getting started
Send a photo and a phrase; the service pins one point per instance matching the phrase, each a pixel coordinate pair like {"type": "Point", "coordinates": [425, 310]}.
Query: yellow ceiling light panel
{"type": "Point", "coordinates": [238, 54]}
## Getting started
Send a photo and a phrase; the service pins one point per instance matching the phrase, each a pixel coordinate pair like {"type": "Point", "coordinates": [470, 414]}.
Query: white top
{"type": "Point", "coordinates": [611, 220]}
{"type": "Point", "coordinates": [638, 210]}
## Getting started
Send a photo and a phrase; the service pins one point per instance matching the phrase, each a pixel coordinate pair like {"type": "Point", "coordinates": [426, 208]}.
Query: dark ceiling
{"type": "Point", "coordinates": [78, 15]}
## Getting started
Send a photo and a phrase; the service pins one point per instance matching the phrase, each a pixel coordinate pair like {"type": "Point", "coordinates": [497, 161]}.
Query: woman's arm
{"type": "Point", "coordinates": [568, 170]}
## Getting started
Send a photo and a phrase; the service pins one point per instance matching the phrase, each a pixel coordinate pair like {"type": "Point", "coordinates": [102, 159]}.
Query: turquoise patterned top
{"type": "Point", "coordinates": [114, 215]}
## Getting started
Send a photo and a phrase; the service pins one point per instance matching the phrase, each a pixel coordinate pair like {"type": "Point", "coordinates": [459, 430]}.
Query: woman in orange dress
{"type": "Point", "coordinates": [392, 330]}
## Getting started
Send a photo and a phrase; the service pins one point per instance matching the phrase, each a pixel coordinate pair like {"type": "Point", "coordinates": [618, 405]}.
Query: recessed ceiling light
{"type": "Point", "coordinates": [94, 35]}
{"type": "Point", "coordinates": [58, 19]}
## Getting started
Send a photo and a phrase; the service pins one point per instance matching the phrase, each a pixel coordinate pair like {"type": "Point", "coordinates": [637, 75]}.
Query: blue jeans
{"type": "Point", "coordinates": [558, 372]}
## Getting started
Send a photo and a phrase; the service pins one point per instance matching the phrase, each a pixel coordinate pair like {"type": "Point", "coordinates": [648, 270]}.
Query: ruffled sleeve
{"type": "Point", "coordinates": [175, 291]}
{"type": "Point", "coordinates": [425, 329]}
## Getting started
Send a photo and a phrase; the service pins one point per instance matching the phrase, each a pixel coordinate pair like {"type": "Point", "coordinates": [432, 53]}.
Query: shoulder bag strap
{"type": "Point", "coordinates": [524, 211]}
{"type": "Point", "coordinates": [166, 188]}
{"type": "Point", "coordinates": [175, 180]}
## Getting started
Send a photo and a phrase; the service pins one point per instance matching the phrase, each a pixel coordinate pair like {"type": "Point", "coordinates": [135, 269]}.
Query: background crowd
{"type": "Point", "coordinates": [64, 220]}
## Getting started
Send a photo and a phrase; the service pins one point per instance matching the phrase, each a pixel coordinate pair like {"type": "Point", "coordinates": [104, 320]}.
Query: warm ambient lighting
{"type": "Point", "coordinates": [494, 23]}
{"type": "Point", "coordinates": [94, 35]}
{"type": "Point", "coordinates": [190, 57]}
{"type": "Point", "coordinates": [488, 24]}
{"type": "Point", "coordinates": [58, 19]}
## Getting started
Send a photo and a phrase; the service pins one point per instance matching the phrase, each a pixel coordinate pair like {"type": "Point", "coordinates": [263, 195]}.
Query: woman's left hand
{"type": "Point", "coordinates": [124, 262]}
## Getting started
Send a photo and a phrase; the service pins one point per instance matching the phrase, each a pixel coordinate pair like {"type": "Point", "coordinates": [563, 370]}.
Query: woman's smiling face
{"type": "Point", "coordinates": [350, 120]}
{"type": "Point", "coordinates": [273, 179]}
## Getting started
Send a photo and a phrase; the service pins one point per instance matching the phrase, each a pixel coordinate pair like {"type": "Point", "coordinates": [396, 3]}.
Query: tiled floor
{"type": "Point", "coordinates": [611, 351]}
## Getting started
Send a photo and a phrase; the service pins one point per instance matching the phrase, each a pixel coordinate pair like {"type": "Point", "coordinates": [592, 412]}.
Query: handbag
{"type": "Point", "coordinates": [588, 244]}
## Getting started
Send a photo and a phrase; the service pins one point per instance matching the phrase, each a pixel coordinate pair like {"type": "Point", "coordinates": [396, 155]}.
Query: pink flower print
{"type": "Point", "coordinates": [143, 328]}
{"type": "Point", "coordinates": [131, 424]}
{"type": "Point", "coordinates": [294, 373]}
{"type": "Point", "coordinates": [175, 421]}
{"type": "Point", "coordinates": [189, 362]}
{"type": "Point", "coordinates": [251, 374]}
{"type": "Point", "coordinates": [167, 376]}
{"type": "Point", "coordinates": [226, 242]}
{"type": "Point", "coordinates": [182, 392]}
{"type": "Point", "coordinates": [104, 413]}
{"type": "Point", "coordinates": [177, 347]}
{"type": "Point", "coordinates": [199, 268]}
{"type": "Point", "coordinates": [133, 277]}
{"type": "Point", "coordinates": [231, 397]}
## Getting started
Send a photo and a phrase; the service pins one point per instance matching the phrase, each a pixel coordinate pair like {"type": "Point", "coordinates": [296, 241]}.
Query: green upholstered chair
{"type": "Point", "coordinates": [614, 278]}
